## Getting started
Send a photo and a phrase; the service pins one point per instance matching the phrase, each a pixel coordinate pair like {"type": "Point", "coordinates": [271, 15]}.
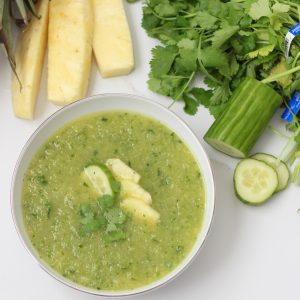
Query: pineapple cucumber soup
{"type": "Point", "coordinates": [113, 201]}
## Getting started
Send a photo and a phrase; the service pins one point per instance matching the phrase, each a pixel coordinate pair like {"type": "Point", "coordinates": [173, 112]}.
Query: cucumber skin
{"type": "Point", "coordinates": [248, 112]}
{"type": "Point", "coordinates": [282, 189]}
{"type": "Point", "coordinates": [112, 180]}
{"type": "Point", "coordinates": [243, 200]}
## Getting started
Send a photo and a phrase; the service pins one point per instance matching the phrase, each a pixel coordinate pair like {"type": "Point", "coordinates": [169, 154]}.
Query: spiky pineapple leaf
{"type": "Point", "coordinates": [1, 14]}
{"type": "Point", "coordinates": [6, 33]}
{"type": "Point", "coordinates": [13, 10]}
{"type": "Point", "coordinates": [31, 7]}
{"type": "Point", "coordinates": [22, 9]}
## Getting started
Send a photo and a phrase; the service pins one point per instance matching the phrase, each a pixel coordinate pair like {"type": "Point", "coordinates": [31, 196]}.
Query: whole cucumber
{"type": "Point", "coordinates": [247, 114]}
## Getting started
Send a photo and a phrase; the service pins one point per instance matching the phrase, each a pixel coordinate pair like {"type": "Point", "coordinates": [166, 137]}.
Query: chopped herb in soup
{"type": "Point", "coordinates": [124, 234]}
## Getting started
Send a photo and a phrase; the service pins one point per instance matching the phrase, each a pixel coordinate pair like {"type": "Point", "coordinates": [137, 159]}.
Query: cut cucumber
{"type": "Point", "coordinates": [254, 181]}
{"type": "Point", "coordinates": [100, 179]}
{"type": "Point", "coordinates": [279, 166]}
{"type": "Point", "coordinates": [246, 115]}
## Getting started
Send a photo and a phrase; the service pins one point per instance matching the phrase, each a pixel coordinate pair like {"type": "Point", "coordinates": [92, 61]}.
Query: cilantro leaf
{"type": "Point", "coordinates": [162, 61]}
{"type": "Point", "coordinates": [203, 97]}
{"type": "Point", "coordinates": [281, 8]}
{"type": "Point", "coordinates": [260, 8]}
{"type": "Point", "coordinates": [106, 201]}
{"type": "Point", "coordinates": [213, 57]}
{"type": "Point", "coordinates": [187, 61]}
{"type": "Point", "coordinates": [264, 51]}
{"type": "Point", "coordinates": [222, 35]}
{"type": "Point", "coordinates": [92, 225]}
{"type": "Point", "coordinates": [86, 210]}
{"type": "Point", "coordinates": [204, 20]}
{"type": "Point", "coordinates": [221, 94]}
{"type": "Point", "coordinates": [115, 215]}
{"type": "Point", "coordinates": [114, 236]}
{"type": "Point", "coordinates": [111, 227]}
{"type": "Point", "coordinates": [191, 105]}
{"type": "Point", "coordinates": [166, 10]}
{"type": "Point", "coordinates": [115, 186]}
{"type": "Point", "coordinates": [187, 44]}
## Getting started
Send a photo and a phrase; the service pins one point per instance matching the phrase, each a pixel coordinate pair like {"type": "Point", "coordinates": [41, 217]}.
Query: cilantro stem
{"type": "Point", "coordinates": [188, 15]}
{"type": "Point", "coordinates": [291, 153]}
{"type": "Point", "coordinates": [275, 131]}
{"type": "Point", "coordinates": [295, 60]}
{"type": "Point", "coordinates": [201, 66]}
{"type": "Point", "coordinates": [175, 29]}
{"type": "Point", "coordinates": [288, 145]}
{"type": "Point", "coordinates": [176, 76]}
{"type": "Point", "coordinates": [179, 95]}
{"type": "Point", "coordinates": [283, 74]}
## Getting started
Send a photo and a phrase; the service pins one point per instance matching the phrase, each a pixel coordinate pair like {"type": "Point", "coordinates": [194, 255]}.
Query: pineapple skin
{"type": "Point", "coordinates": [29, 55]}
{"type": "Point", "coordinates": [112, 44]}
{"type": "Point", "coordinates": [69, 50]}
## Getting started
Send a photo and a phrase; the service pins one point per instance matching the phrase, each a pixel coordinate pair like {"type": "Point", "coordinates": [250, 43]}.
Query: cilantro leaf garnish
{"type": "Point", "coordinates": [115, 216]}
{"type": "Point", "coordinates": [92, 225]}
{"type": "Point", "coordinates": [114, 236]}
{"type": "Point", "coordinates": [102, 215]}
{"type": "Point", "coordinates": [106, 201]}
{"type": "Point", "coordinates": [86, 210]}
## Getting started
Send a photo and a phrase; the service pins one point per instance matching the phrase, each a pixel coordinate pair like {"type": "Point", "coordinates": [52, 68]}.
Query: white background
{"type": "Point", "coordinates": [251, 252]}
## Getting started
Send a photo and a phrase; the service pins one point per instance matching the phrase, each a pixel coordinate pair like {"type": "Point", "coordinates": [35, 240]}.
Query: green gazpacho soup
{"type": "Point", "coordinates": [115, 251]}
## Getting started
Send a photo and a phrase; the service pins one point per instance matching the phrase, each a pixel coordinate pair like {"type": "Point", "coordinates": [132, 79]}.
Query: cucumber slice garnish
{"type": "Point", "coordinates": [100, 179]}
{"type": "Point", "coordinates": [279, 166]}
{"type": "Point", "coordinates": [254, 181]}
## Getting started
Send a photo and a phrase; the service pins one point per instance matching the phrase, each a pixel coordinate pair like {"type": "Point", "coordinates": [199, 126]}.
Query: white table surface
{"type": "Point", "coordinates": [251, 252]}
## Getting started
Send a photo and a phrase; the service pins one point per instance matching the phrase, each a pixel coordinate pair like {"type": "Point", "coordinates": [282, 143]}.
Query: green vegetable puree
{"type": "Point", "coordinates": [54, 192]}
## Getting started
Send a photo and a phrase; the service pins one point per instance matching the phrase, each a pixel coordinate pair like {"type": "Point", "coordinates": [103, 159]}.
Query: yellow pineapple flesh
{"type": "Point", "coordinates": [29, 56]}
{"type": "Point", "coordinates": [70, 50]}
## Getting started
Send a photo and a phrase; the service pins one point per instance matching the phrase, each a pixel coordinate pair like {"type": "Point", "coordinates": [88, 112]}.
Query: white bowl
{"type": "Point", "coordinates": [101, 103]}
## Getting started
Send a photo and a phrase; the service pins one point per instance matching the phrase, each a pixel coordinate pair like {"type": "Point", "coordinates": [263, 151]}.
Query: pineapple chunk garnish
{"type": "Point", "coordinates": [112, 43]}
{"type": "Point", "coordinates": [70, 49]}
{"type": "Point", "coordinates": [121, 171]}
{"type": "Point", "coordinates": [140, 210]}
{"type": "Point", "coordinates": [132, 189]}
{"type": "Point", "coordinates": [29, 55]}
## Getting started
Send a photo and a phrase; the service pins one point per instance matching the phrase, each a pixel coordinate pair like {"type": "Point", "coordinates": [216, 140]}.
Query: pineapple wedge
{"type": "Point", "coordinates": [70, 49]}
{"type": "Point", "coordinates": [112, 43]}
{"type": "Point", "coordinates": [140, 210]}
{"type": "Point", "coordinates": [121, 171]}
{"type": "Point", "coordinates": [132, 189]}
{"type": "Point", "coordinates": [30, 52]}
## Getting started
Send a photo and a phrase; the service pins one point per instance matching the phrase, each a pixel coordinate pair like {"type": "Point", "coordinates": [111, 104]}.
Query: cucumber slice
{"type": "Point", "coordinates": [254, 181]}
{"type": "Point", "coordinates": [100, 179]}
{"type": "Point", "coordinates": [279, 166]}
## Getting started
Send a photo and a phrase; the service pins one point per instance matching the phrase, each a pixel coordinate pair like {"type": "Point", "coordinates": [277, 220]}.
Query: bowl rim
{"type": "Point", "coordinates": [104, 293]}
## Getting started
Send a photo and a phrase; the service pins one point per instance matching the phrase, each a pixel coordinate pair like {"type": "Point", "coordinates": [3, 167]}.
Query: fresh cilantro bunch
{"type": "Point", "coordinates": [102, 215]}
{"type": "Point", "coordinates": [223, 41]}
